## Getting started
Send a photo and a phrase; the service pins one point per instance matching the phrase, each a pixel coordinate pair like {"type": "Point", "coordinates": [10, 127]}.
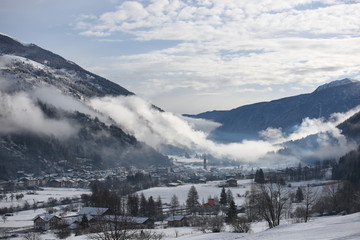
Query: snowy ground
{"type": "Point", "coordinates": [334, 228]}
{"type": "Point", "coordinates": [206, 190]}
{"type": "Point", "coordinates": [43, 196]}
{"type": "Point", "coordinates": [23, 219]}
{"type": "Point", "coordinates": [211, 189]}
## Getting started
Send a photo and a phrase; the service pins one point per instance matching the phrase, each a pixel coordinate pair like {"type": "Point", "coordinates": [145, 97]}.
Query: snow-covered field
{"type": "Point", "coordinates": [21, 219]}
{"type": "Point", "coordinates": [335, 227]}
{"type": "Point", "coordinates": [205, 190]}
{"type": "Point", "coordinates": [43, 196]}
{"type": "Point", "coordinates": [24, 218]}
{"type": "Point", "coordinates": [211, 189]}
{"type": "Point", "coordinates": [322, 228]}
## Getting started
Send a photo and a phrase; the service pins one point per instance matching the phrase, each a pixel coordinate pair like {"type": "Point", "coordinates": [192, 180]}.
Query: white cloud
{"type": "Point", "coordinates": [331, 144]}
{"type": "Point", "coordinates": [19, 113]}
{"type": "Point", "coordinates": [213, 20]}
{"type": "Point", "coordinates": [157, 128]}
{"type": "Point", "coordinates": [228, 43]}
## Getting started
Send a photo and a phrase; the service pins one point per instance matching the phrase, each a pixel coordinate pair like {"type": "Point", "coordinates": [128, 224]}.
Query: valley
{"type": "Point", "coordinates": [82, 157]}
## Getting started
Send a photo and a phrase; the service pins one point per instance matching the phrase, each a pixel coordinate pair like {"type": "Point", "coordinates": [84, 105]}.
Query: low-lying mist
{"type": "Point", "coordinates": [19, 112]}
{"type": "Point", "coordinates": [157, 128]}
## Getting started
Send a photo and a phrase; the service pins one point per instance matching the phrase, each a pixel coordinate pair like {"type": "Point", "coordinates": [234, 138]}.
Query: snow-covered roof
{"type": "Point", "coordinates": [94, 211]}
{"type": "Point", "coordinates": [45, 217]}
{"type": "Point", "coordinates": [175, 218]}
{"type": "Point", "coordinates": [74, 219]}
{"type": "Point", "coordinates": [140, 220]}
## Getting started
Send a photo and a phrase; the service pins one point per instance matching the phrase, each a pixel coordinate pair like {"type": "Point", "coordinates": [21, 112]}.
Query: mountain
{"type": "Point", "coordinates": [246, 121]}
{"type": "Point", "coordinates": [351, 127]}
{"type": "Point", "coordinates": [348, 166]}
{"type": "Point", "coordinates": [45, 120]}
{"type": "Point", "coordinates": [81, 82]}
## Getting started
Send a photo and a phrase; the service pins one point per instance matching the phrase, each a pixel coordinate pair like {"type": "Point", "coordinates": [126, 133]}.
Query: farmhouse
{"type": "Point", "coordinates": [176, 221]}
{"type": "Point", "coordinates": [93, 211]}
{"type": "Point", "coordinates": [46, 222]}
{"type": "Point", "coordinates": [232, 182]}
{"type": "Point", "coordinates": [129, 222]}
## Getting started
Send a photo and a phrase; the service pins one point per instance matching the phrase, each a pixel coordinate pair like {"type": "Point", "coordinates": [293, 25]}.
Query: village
{"type": "Point", "coordinates": [77, 214]}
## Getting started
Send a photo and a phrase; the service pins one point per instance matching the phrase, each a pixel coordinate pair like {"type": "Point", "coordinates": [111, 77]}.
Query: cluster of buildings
{"type": "Point", "coordinates": [96, 216]}
{"type": "Point", "coordinates": [82, 178]}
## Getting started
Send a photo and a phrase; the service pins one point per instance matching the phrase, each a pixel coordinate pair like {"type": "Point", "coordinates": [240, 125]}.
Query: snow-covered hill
{"type": "Point", "coordinates": [334, 228]}
{"type": "Point", "coordinates": [45, 116]}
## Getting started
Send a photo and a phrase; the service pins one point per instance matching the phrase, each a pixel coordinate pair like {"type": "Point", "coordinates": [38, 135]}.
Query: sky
{"type": "Point", "coordinates": [194, 56]}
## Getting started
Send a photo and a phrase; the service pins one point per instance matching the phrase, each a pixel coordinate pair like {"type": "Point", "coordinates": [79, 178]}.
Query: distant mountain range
{"type": "Point", "coordinates": [245, 122]}
{"type": "Point", "coordinates": [47, 123]}
{"type": "Point", "coordinates": [39, 131]}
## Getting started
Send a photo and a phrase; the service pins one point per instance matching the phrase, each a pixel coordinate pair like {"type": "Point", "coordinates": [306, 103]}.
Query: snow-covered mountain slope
{"type": "Point", "coordinates": [45, 116]}
{"type": "Point", "coordinates": [55, 70]}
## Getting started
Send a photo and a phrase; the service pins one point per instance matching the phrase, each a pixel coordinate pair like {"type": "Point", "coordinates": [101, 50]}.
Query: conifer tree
{"type": "Point", "coordinates": [159, 210]}
{"type": "Point", "coordinates": [223, 197]}
{"type": "Point", "coordinates": [259, 176]}
{"type": "Point", "coordinates": [299, 195]}
{"type": "Point", "coordinates": [231, 213]}
{"type": "Point", "coordinates": [143, 205]}
{"type": "Point", "coordinates": [133, 205]}
{"type": "Point", "coordinates": [151, 210]}
{"type": "Point", "coordinates": [229, 196]}
{"type": "Point", "coordinates": [192, 197]}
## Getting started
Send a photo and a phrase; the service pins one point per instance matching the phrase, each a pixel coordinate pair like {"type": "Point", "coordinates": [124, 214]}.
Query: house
{"type": "Point", "coordinates": [69, 183]}
{"type": "Point", "coordinates": [42, 181]}
{"type": "Point", "coordinates": [176, 221]}
{"type": "Point", "coordinates": [29, 181]}
{"type": "Point", "coordinates": [212, 207]}
{"type": "Point", "coordinates": [211, 203]}
{"type": "Point", "coordinates": [142, 222]}
{"type": "Point", "coordinates": [130, 222]}
{"type": "Point", "coordinates": [73, 222]}
{"type": "Point", "coordinates": [56, 183]}
{"type": "Point", "coordinates": [232, 182]}
{"type": "Point", "coordinates": [93, 211]}
{"type": "Point", "coordinates": [46, 221]}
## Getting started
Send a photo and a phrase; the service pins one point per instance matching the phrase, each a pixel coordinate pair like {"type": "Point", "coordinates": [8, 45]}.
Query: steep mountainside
{"type": "Point", "coordinates": [351, 127]}
{"type": "Point", "coordinates": [81, 81]}
{"type": "Point", "coordinates": [45, 121]}
{"type": "Point", "coordinates": [285, 113]}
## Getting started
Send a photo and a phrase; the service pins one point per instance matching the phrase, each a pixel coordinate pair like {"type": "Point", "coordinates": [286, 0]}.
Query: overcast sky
{"type": "Point", "coordinates": [193, 56]}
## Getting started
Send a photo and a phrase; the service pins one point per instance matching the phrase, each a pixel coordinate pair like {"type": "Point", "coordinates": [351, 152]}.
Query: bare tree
{"type": "Point", "coordinates": [216, 224]}
{"type": "Point", "coordinates": [32, 236]}
{"type": "Point", "coordinates": [116, 227]}
{"type": "Point", "coordinates": [241, 225]}
{"type": "Point", "coordinates": [207, 223]}
{"type": "Point", "coordinates": [269, 201]}
{"type": "Point", "coordinates": [310, 198]}
{"type": "Point", "coordinates": [112, 227]}
{"type": "Point", "coordinates": [4, 218]}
